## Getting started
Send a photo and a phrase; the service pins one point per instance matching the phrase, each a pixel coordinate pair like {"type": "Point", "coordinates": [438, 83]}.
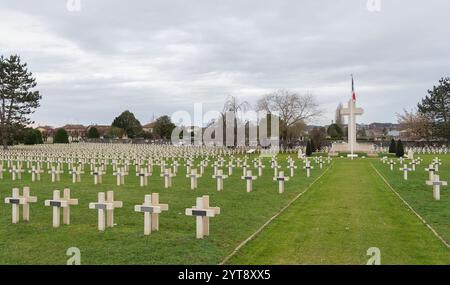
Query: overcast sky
{"type": "Point", "coordinates": [158, 57]}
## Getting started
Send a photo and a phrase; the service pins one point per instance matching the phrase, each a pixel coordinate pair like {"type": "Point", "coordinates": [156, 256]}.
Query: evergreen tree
{"type": "Point", "coordinates": [93, 133]}
{"type": "Point", "coordinates": [400, 150]}
{"type": "Point", "coordinates": [29, 137]}
{"type": "Point", "coordinates": [335, 132]}
{"type": "Point", "coordinates": [128, 122]}
{"type": "Point", "coordinates": [436, 107]}
{"type": "Point", "coordinates": [39, 139]}
{"type": "Point", "coordinates": [393, 147]}
{"type": "Point", "coordinates": [164, 127]}
{"type": "Point", "coordinates": [308, 148]}
{"type": "Point", "coordinates": [17, 98]}
{"type": "Point", "coordinates": [61, 136]}
{"type": "Point", "coordinates": [313, 146]}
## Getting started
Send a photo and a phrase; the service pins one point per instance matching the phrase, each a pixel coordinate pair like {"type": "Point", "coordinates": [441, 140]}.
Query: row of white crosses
{"type": "Point", "coordinates": [433, 178]}
{"type": "Point", "coordinates": [106, 206]}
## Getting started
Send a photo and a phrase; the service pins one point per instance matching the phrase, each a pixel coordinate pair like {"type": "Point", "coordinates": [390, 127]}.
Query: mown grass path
{"type": "Point", "coordinates": [349, 210]}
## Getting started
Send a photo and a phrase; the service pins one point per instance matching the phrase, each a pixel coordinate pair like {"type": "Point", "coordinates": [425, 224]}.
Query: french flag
{"type": "Point", "coordinates": [353, 90]}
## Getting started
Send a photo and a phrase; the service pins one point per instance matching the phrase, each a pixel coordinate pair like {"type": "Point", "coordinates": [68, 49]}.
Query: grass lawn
{"type": "Point", "coordinates": [349, 210]}
{"type": "Point", "coordinates": [242, 213]}
{"type": "Point", "coordinates": [419, 195]}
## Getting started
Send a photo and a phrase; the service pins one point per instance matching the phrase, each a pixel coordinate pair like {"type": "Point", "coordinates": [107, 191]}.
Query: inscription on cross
{"type": "Point", "coordinates": [220, 177]}
{"type": "Point", "coordinates": [249, 178]}
{"type": "Point", "coordinates": [151, 209]}
{"type": "Point", "coordinates": [57, 203]}
{"type": "Point", "coordinates": [16, 201]}
{"type": "Point", "coordinates": [281, 179]}
{"type": "Point", "coordinates": [105, 206]}
{"type": "Point", "coordinates": [202, 211]}
{"type": "Point", "coordinates": [437, 184]}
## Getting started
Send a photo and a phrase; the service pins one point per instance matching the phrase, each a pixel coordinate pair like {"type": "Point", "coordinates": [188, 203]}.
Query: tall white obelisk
{"type": "Point", "coordinates": [352, 111]}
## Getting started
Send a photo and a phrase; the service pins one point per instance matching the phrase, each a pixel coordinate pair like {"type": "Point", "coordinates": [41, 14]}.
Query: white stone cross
{"type": "Point", "coordinates": [275, 167]}
{"type": "Point", "coordinates": [202, 165]}
{"type": "Point", "coordinates": [281, 179]}
{"type": "Point", "coordinates": [244, 168]}
{"type": "Point", "coordinates": [230, 168]}
{"type": "Point", "coordinates": [105, 206]}
{"type": "Point", "coordinates": [392, 163]}
{"type": "Point", "coordinates": [57, 203]}
{"type": "Point", "coordinates": [431, 171]}
{"type": "Point", "coordinates": [35, 173]}
{"type": "Point", "coordinates": [405, 170]}
{"type": "Point", "coordinates": [194, 178]}
{"type": "Point", "coordinates": [320, 160]}
{"type": "Point", "coordinates": [16, 200]}
{"type": "Point", "coordinates": [55, 172]}
{"type": "Point", "coordinates": [436, 163]}
{"type": "Point", "coordinates": [249, 178]}
{"type": "Point", "coordinates": [436, 183]}
{"type": "Point", "coordinates": [188, 166]}
{"type": "Point", "coordinates": [76, 174]}
{"type": "Point", "coordinates": [97, 173]}
{"type": "Point", "coordinates": [202, 211]}
{"type": "Point", "coordinates": [143, 177]}
{"type": "Point", "coordinates": [215, 167]}
{"type": "Point", "coordinates": [220, 177]}
{"type": "Point", "coordinates": [413, 164]}
{"type": "Point", "coordinates": [260, 167]}
{"type": "Point", "coordinates": [308, 168]}
{"type": "Point", "coordinates": [292, 168]}
{"type": "Point", "coordinates": [151, 209]}
{"type": "Point", "coordinates": [120, 174]}
{"type": "Point", "coordinates": [16, 172]}
{"type": "Point", "coordinates": [175, 167]}
{"type": "Point", "coordinates": [1, 170]}
{"type": "Point", "coordinates": [168, 177]}
{"type": "Point", "coordinates": [352, 111]}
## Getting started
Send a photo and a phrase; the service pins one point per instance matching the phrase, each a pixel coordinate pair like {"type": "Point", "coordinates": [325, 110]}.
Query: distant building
{"type": "Point", "coordinates": [102, 129]}
{"type": "Point", "coordinates": [75, 132]}
{"type": "Point", "coordinates": [47, 133]}
{"type": "Point", "coordinates": [149, 128]}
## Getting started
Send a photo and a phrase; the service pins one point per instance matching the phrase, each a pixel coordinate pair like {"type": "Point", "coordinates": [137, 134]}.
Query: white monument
{"type": "Point", "coordinates": [352, 146]}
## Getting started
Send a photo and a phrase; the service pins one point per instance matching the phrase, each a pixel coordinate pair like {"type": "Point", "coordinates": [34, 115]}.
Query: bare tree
{"type": "Point", "coordinates": [416, 125]}
{"type": "Point", "coordinates": [232, 105]}
{"type": "Point", "coordinates": [292, 108]}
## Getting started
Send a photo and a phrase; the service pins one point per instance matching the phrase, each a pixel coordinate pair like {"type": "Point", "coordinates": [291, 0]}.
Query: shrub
{"type": "Point", "coordinates": [93, 133]}
{"type": "Point", "coordinates": [39, 139]}
{"type": "Point", "coordinates": [31, 137]}
{"type": "Point", "coordinates": [393, 147]}
{"type": "Point", "coordinates": [400, 150]}
{"type": "Point", "coordinates": [61, 136]}
{"type": "Point", "coordinates": [309, 149]}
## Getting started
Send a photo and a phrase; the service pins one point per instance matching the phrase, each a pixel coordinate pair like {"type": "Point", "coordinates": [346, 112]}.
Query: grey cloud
{"type": "Point", "coordinates": [162, 56]}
